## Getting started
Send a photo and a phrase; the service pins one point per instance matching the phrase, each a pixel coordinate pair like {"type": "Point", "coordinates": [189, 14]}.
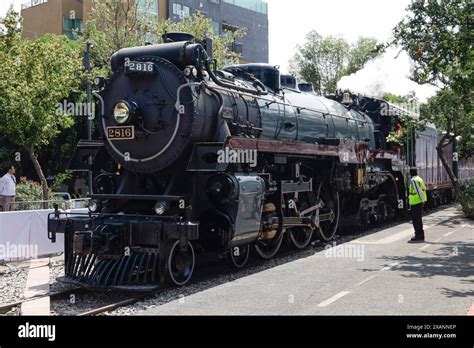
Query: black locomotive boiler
{"type": "Point", "coordinates": [192, 160]}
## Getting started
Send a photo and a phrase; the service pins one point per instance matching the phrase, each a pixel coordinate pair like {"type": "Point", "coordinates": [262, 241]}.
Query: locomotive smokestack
{"type": "Point", "coordinates": [177, 37]}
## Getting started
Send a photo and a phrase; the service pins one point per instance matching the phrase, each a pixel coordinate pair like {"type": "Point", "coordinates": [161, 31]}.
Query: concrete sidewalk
{"type": "Point", "coordinates": [379, 274]}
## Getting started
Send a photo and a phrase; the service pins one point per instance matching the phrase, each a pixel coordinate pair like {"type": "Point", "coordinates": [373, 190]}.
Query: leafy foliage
{"type": "Point", "coordinates": [35, 75]}
{"type": "Point", "coordinates": [322, 61]}
{"type": "Point", "coordinates": [201, 27]}
{"type": "Point", "coordinates": [114, 25]}
{"type": "Point", "coordinates": [467, 188]}
{"type": "Point", "coordinates": [438, 37]}
{"type": "Point", "coordinates": [60, 179]}
{"type": "Point", "coordinates": [408, 124]}
{"type": "Point", "coordinates": [446, 112]}
{"type": "Point", "coordinates": [28, 191]}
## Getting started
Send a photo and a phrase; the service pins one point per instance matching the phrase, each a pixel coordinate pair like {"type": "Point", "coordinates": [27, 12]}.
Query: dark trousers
{"type": "Point", "coordinates": [416, 218]}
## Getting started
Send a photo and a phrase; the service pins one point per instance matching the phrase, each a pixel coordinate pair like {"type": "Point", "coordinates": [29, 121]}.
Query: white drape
{"type": "Point", "coordinates": [24, 235]}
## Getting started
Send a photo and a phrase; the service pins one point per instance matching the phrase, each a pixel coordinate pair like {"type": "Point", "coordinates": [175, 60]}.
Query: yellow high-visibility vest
{"type": "Point", "coordinates": [414, 196]}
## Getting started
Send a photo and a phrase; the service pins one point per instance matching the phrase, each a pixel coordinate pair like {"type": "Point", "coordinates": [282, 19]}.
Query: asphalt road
{"type": "Point", "coordinates": [379, 274]}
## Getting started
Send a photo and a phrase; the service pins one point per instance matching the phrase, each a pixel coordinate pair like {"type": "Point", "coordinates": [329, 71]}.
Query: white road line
{"type": "Point", "coordinates": [457, 230]}
{"type": "Point", "coordinates": [365, 281]}
{"type": "Point", "coordinates": [334, 298]}
{"type": "Point", "coordinates": [425, 247]}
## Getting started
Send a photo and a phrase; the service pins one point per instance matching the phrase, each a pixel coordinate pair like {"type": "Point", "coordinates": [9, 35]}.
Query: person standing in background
{"type": "Point", "coordinates": [417, 197]}
{"type": "Point", "coordinates": [8, 190]}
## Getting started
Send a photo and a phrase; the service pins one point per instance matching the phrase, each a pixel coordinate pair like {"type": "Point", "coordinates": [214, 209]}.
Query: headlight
{"type": "Point", "coordinates": [122, 112]}
{"type": "Point", "coordinates": [93, 206]}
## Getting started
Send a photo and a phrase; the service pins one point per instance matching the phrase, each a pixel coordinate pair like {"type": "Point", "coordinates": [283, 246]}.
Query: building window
{"type": "Point", "coordinates": [228, 29]}
{"type": "Point", "coordinates": [32, 3]}
{"type": "Point", "coordinates": [217, 28]}
{"type": "Point", "coordinates": [252, 5]}
{"type": "Point", "coordinates": [72, 25]}
{"type": "Point", "coordinates": [181, 11]}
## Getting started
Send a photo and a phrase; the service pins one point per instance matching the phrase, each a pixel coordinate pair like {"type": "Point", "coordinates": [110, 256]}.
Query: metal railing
{"type": "Point", "coordinates": [50, 204]}
{"type": "Point", "coordinates": [32, 3]}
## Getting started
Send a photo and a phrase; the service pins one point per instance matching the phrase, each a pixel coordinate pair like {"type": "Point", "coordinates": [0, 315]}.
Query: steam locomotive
{"type": "Point", "coordinates": [193, 160]}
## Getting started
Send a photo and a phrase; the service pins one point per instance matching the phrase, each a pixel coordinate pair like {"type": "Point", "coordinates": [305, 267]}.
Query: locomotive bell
{"type": "Point", "coordinates": [346, 98]}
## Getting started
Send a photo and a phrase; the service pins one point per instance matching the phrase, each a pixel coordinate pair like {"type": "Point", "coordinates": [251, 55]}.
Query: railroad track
{"type": "Point", "coordinates": [4, 309]}
{"type": "Point", "coordinates": [116, 305]}
{"type": "Point", "coordinates": [61, 295]}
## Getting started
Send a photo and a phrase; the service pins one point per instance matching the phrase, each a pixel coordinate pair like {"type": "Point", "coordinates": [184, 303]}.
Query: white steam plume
{"type": "Point", "coordinates": [388, 73]}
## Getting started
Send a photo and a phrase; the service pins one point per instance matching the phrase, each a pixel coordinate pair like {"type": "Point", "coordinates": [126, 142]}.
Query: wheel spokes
{"type": "Point", "coordinates": [300, 237]}
{"type": "Point", "coordinates": [330, 199]}
{"type": "Point", "coordinates": [181, 264]}
{"type": "Point", "coordinates": [268, 248]}
{"type": "Point", "coordinates": [240, 255]}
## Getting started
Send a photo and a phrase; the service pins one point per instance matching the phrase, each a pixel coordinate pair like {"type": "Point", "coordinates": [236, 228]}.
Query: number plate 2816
{"type": "Point", "coordinates": [121, 133]}
{"type": "Point", "coordinates": [146, 68]}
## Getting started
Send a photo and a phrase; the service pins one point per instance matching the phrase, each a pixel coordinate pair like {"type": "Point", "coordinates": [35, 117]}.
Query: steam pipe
{"type": "Point", "coordinates": [219, 82]}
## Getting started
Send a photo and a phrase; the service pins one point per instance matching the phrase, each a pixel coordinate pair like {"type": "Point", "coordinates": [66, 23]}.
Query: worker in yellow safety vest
{"type": "Point", "coordinates": [417, 197]}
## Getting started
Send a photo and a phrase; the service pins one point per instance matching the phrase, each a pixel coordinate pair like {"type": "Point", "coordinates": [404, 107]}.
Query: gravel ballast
{"type": "Point", "coordinates": [12, 285]}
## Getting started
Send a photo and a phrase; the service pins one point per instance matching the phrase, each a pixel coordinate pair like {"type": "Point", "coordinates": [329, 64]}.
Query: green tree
{"type": "Point", "coordinates": [201, 27]}
{"type": "Point", "coordinates": [322, 61]}
{"type": "Point", "coordinates": [114, 25]}
{"type": "Point", "coordinates": [34, 76]}
{"type": "Point", "coordinates": [408, 122]}
{"type": "Point", "coordinates": [437, 35]}
{"type": "Point", "coordinates": [361, 52]}
{"type": "Point", "coordinates": [446, 112]}
{"type": "Point", "coordinates": [399, 99]}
